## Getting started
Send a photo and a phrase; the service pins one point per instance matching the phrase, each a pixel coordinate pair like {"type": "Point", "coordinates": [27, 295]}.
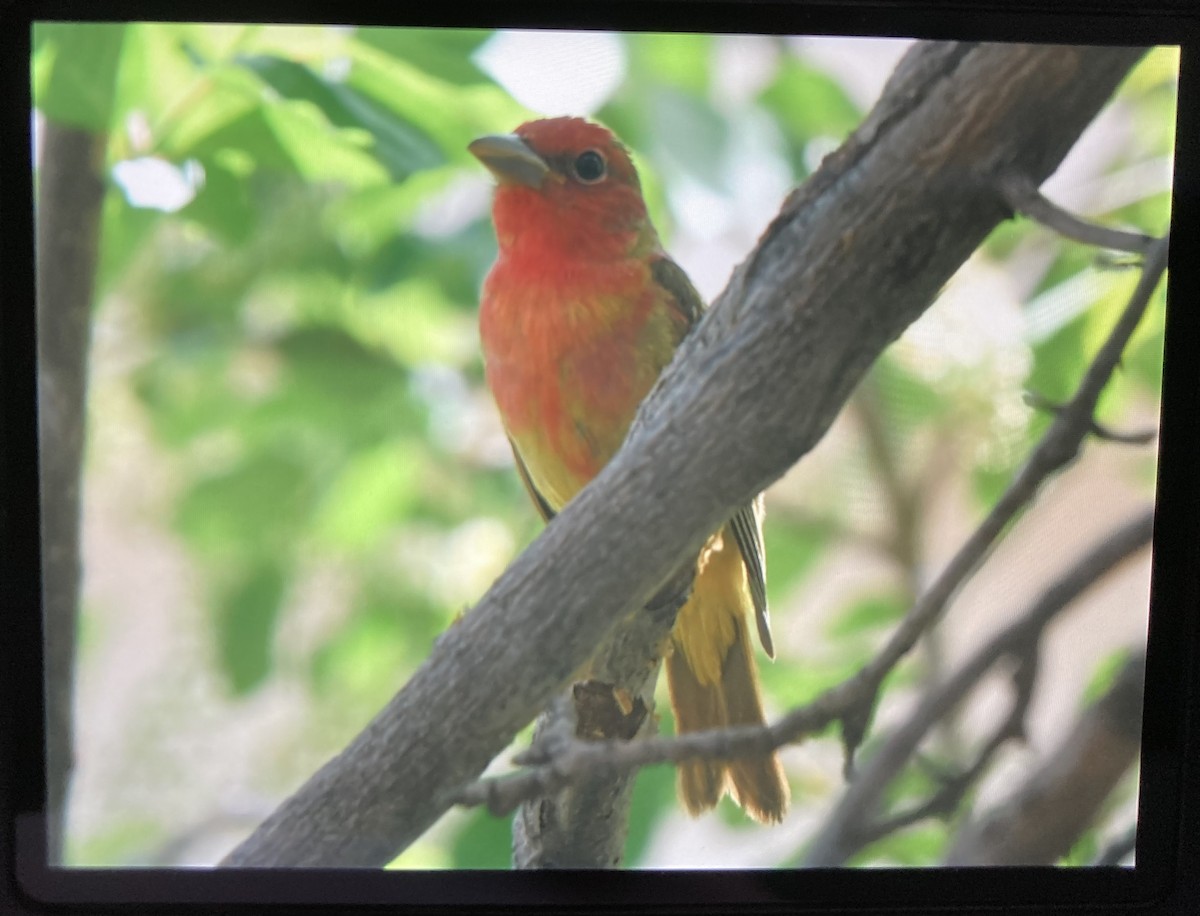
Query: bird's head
{"type": "Point", "coordinates": [566, 183]}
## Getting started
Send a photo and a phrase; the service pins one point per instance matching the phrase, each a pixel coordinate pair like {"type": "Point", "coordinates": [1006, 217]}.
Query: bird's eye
{"type": "Point", "coordinates": [589, 166]}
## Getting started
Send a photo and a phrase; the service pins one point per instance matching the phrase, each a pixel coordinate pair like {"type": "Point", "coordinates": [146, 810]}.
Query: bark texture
{"type": "Point", "coordinates": [70, 198]}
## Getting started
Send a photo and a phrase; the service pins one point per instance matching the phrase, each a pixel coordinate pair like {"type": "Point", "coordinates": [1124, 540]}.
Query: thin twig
{"type": "Point", "coordinates": [1098, 429]}
{"type": "Point", "coordinates": [1058, 447]}
{"type": "Point", "coordinates": [1023, 196]}
{"type": "Point", "coordinates": [841, 835]}
{"type": "Point", "coordinates": [954, 786]}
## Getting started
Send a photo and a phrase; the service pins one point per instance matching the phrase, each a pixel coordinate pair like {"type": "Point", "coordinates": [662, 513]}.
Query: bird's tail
{"type": "Point", "coordinates": [757, 784]}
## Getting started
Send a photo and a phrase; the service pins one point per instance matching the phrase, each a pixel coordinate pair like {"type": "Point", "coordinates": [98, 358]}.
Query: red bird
{"type": "Point", "coordinates": [580, 314]}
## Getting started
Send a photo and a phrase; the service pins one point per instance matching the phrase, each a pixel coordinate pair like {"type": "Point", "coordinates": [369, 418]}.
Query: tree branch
{"type": "Point", "coordinates": [574, 758]}
{"type": "Point", "coordinates": [1041, 821]}
{"type": "Point", "coordinates": [70, 198]}
{"type": "Point", "coordinates": [1058, 447]}
{"type": "Point", "coordinates": [855, 256]}
{"type": "Point", "coordinates": [846, 830]}
{"type": "Point", "coordinates": [1024, 197]}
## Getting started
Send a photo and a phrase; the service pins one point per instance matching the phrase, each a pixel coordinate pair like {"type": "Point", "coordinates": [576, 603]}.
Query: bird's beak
{"type": "Point", "coordinates": [510, 160]}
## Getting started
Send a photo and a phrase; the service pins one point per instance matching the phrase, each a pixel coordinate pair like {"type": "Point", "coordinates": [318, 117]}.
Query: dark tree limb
{"type": "Point", "coordinates": [854, 257]}
{"type": "Point", "coordinates": [1023, 196]}
{"type": "Point", "coordinates": [1043, 819]}
{"type": "Point", "coordinates": [852, 822]}
{"type": "Point", "coordinates": [70, 198]}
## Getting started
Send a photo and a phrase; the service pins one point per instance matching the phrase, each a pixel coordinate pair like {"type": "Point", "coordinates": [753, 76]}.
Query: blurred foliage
{"type": "Point", "coordinates": [301, 321]}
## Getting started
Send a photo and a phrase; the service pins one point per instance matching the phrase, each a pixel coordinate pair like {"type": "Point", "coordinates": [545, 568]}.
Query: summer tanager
{"type": "Point", "coordinates": [580, 314]}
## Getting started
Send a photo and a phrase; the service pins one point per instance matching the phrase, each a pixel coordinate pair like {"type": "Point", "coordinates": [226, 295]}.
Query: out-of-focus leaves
{"type": "Point", "coordinates": [679, 60]}
{"type": "Point", "coordinates": [259, 503]}
{"type": "Point", "coordinates": [1103, 676]}
{"type": "Point", "coordinates": [653, 794]}
{"type": "Point", "coordinates": [333, 383]}
{"type": "Point", "coordinates": [444, 53]}
{"type": "Point", "coordinates": [689, 134]}
{"type": "Point", "coordinates": [919, 845]}
{"type": "Point", "coordinates": [451, 115]}
{"type": "Point", "coordinates": [374, 490]}
{"type": "Point", "coordinates": [124, 231]}
{"type": "Point", "coordinates": [400, 145]}
{"type": "Point", "coordinates": [485, 842]}
{"type": "Point", "coordinates": [77, 72]}
{"type": "Point", "coordinates": [793, 549]}
{"type": "Point", "coordinates": [867, 614]}
{"type": "Point", "coordinates": [391, 628]}
{"type": "Point", "coordinates": [809, 104]}
{"type": "Point", "coordinates": [247, 612]}
{"type": "Point", "coordinates": [224, 204]}
{"type": "Point", "coordinates": [907, 400]}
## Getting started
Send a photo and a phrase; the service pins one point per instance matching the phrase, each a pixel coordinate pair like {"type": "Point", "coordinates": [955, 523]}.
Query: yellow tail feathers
{"type": "Point", "coordinates": [713, 683]}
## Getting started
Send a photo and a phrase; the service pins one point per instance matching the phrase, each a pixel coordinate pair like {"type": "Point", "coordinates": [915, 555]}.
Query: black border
{"type": "Point", "coordinates": [1167, 878]}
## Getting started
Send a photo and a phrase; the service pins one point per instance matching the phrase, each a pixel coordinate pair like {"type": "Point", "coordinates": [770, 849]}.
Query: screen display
{"type": "Point", "coordinates": [286, 452]}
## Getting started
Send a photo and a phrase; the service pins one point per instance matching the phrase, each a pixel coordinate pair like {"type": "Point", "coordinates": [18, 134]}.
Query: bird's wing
{"type": "Point", "coordinates": [670, 276]}
{"type": "Point", "coordinates": [747, 531]}
{"type": "Point", "coordinates": [543, 507]}
{"type": "Point", "coordinates": [747, 523]}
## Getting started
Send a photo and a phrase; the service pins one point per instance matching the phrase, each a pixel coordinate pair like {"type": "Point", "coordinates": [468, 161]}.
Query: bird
{"type": "Point", "coordinates": [579, 315]}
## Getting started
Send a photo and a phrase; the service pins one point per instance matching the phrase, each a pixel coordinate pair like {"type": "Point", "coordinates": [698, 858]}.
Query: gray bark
{"type": "Point", "coordinates": [70, 197]}
{"type": "Point", "coordinates": [854, 257]}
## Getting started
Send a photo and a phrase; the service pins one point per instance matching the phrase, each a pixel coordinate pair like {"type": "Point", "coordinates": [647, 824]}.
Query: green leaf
{"type": "Point", "coordinates": [866, 614]}
{"type": "Point", "coordinates": [653, 796]}
{"type": "Point", "coordinates": [247, 612]}
{"type": "Point", "coordinates": [251, 133]}
{"type": "Point", "coordinates": [1103, 676]}
{"type": "Point", "coordinates": [485, 842]}
{"type": "Point", "coordinates": [78, 77]}
{"type": "Point", "coordinates": [444, 53]}
{"type": "Point", "coordinates": [401, 146]}
{"type": "Point", "coordinates": [259, 503]}
{"type": "Point", "coordinates": [793, 550]}
{"type": "Point", "coordinates": [122, 239]}
{"type": "Point", "coordinates": [907, 399]}
{"type": "Point", "coordinates": [375, 489]}
{"type": "Point", "coordinates": [681, 60]}
{"type": "Point", "coordinates": [223, 204]}
{"type": "Point", "coordinates": [809, 103]}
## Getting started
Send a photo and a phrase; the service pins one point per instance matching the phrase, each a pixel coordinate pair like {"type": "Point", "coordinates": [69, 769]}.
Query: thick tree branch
{"type": "Point", "coordinates": [853, 258]}
{"type": "Point", "coordinates": [70, 195]}
{"type": "Point", "coordinates": [1042, 820]}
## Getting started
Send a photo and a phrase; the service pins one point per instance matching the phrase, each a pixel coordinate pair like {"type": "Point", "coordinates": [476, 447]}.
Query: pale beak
{"type": "Point", "coordinates": [510, 160]}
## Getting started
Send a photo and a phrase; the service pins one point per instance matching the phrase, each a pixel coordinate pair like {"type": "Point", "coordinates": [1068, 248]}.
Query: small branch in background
{"type": "Point", "coordinates": [574, 758]}
{"type": "Point", "coordinates": [1023, 196]}
{"type": "Point", "coordinates": [845, 831]}
{"type": "Point", "coordinates": [1118, 849]}
{"type": "Point", "coordinates": [1099, 430]}
{"type": "Point", "coordinates": [1040, 822]}
{"type": "Point", "coordinates": [953, 787]}
{"type": "Point", "coordinates": [1058, 447]}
